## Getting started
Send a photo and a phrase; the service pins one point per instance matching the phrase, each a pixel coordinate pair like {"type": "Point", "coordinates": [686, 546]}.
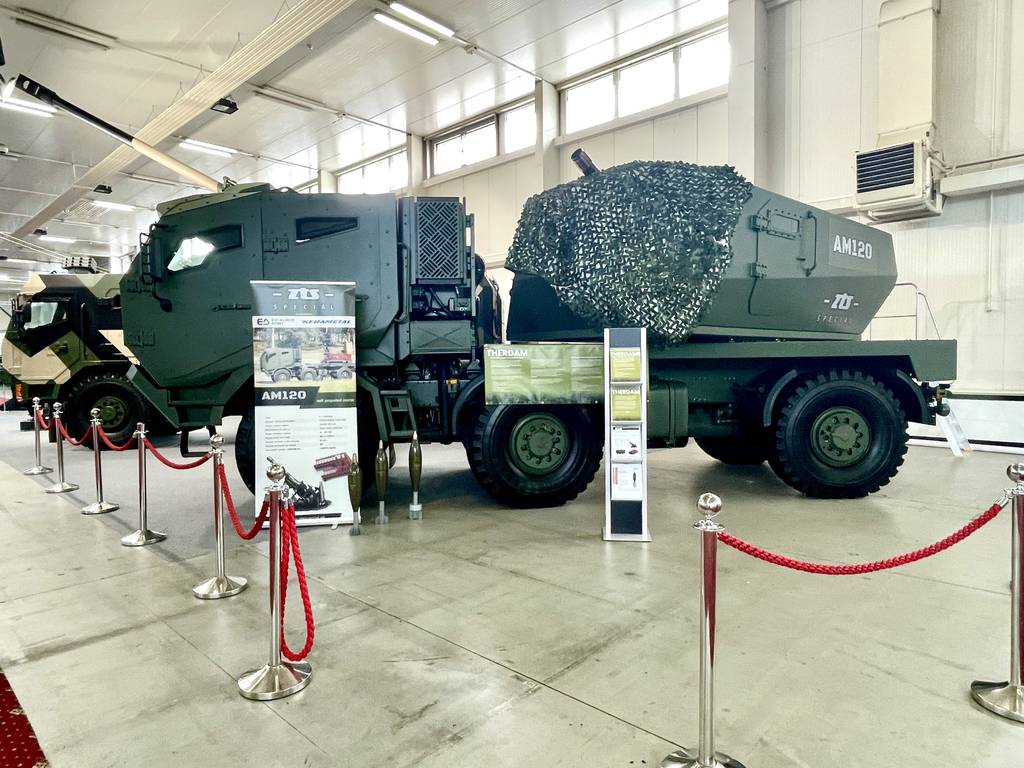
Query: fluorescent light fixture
{"type": "Point", "coordinates": [210, 149]}
{"type": "Point", "coordinates": [419, 18]}
{"type": "Point", "coordinates": [401, 26]}
{"type": "Point", "coordinates": [28, 262]}
{"type": "Point", "coordinates": [282, 100]}
{"type": "Point", "coordinates": [55, 26]}
{"type": "Point", "coordinates": [114, 206]}
{"type": "Point", "coordinates": [8, 90]}
{"type": "Point", "coordinates": [36, 108]}
{"type": "Point", "coordinates": [141, 177]}
{"type": "Point", "coordinates": [57, 239]}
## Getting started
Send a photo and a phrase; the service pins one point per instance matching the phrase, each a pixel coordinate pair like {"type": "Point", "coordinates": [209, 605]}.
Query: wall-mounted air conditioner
{"type": "Point", "coordinates": [898, 182]}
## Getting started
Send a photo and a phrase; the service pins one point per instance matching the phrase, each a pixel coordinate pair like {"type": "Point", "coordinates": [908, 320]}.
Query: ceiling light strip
{"type": "Point", "coordinates": [408, 29]}
{"type": "Point", "coordinates": [419, 18]}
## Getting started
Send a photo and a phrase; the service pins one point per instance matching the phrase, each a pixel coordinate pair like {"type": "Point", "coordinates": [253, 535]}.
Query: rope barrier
{"type": "Point", "coordinates": [107, 442]}
{"type": "Point", "coordinates": [290, 545]}
{"type": "Point", "coordinates": [43, 424]}
{"type": "Point", "coordinates": [261, 518]}
{"type": "Point", "coordinates": [168, 463]}
{"type": "Point", "coordinates": [69, 438]}
{"type": "Point", "coordinates": [860, 568]}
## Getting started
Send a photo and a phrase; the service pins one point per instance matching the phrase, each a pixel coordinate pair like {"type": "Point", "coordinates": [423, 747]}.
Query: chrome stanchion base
{"type": "Point", "coordinates": [217, 587]}
{"type": "Point", "coordinates": [687, 758]}
{"type": "Point", "coordinates": [62, 487]}
{"type": "Point", "coordinates": [39, 470]}
{"type": "Point", "coordinates": [268, 683]}
{"type": "Point", "coordinates": [415, 511]}
{"type": "Point", "coordinates": [99, 508]}
{"type": "Point", "coordinates": [142, 538]}
{"type": "Point", "coordinates": [1001, 699]}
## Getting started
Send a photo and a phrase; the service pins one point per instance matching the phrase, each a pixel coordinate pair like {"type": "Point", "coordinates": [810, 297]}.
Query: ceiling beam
{"type": "Point", "coordinates": [290, 29]}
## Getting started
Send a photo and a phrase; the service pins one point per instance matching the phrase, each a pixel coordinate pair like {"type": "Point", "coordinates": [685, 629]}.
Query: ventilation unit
{"type": "Point", "coordinates": [898, 182]}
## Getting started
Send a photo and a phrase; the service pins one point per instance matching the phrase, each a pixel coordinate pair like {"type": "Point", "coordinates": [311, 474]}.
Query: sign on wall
{"type": "Point", "coordinates": [304, 371]}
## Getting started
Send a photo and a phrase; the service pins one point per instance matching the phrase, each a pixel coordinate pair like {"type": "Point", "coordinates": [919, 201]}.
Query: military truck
{"type": "Point", "coordinates": [774, 370]}
{"type": "Point", "coordinates": [65, 343]}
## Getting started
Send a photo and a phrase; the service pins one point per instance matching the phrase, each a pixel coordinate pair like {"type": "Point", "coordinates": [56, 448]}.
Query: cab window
{"type": "Point", "coordinates": [40, 313]}
{"type": "Point", "coordinates": [193, 250]}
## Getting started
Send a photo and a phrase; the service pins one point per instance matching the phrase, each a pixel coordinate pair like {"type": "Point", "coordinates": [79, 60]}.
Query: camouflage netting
{"type": "Point", "coordinates": [640, 244]}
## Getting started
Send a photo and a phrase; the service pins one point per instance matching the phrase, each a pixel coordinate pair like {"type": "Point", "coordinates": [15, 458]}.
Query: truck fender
{"type": "Point", "coordinates": [465, 397]}
{"type": "Point", "coordinates": [773, 395]}
{"type": "Point", "coordinates": [912, 399]}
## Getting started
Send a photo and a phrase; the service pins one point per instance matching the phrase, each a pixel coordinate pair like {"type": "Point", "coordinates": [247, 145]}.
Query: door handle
{"type": "Point", "coordinates": [62, 347]}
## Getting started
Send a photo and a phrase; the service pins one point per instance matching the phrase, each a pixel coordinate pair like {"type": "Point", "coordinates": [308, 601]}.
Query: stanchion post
{"type": "Point", "coordinates": [277, 678]}
{"type": "Point", "coordinates": [1006, 699]}
{"type": "Point", "coordinates": [143, 536]}
{"type": "Point", "coordinates": [62, 485]}
{"type": "Point", "coordinates": [220, 585]}
{"type": "Point", "coordinates": [38, 469]}
{"type": "Point", "coordinates": [705, 756]}
{"type": "Point", "coordinates": [99, 506]}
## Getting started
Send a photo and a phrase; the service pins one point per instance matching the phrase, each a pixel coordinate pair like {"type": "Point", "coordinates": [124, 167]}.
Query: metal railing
{"type": "Point", "coordinates": [920, 318]}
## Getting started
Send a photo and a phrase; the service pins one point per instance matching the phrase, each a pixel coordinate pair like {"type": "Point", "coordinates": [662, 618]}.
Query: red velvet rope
{"type": "Point", "coordinates": [879, 565]}
{"type": "Point", "coordinates": [69, 438]}
{"type": "Point", "coordinates": [111, 446]}
{"type": "Point", "coordinates": [290, 543]}
{"type": "Point", "coordinates": [167, 462]}
{"type": "Point", "coordinates": [41, 419]}
{"type": "Point", "coordinates": [261, 518]}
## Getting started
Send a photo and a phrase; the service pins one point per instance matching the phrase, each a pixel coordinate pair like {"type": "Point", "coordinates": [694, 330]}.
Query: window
{"type": "Point", "coordinates": [704, 64]}
{"type": "Point", "coordinates": [518, 128]}
{"type": "Point", "coordinates": [192, 251]}
{"type": "Point", "coordinates": [504, 131]}
{"type": "Point", "coordinates": [42, 313]}
{"type": "Point", "coordinates": [386, 174]}
{"type": "Point", "coordinates": [693, 66]}
{"type": "Point", "coordinates": [315, 227]}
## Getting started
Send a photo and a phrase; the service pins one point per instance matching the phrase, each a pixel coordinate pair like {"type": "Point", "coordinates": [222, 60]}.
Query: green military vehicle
{"type": "Point", "coordinates": [65, 343]}
{"type": "Point", "coordinates": [768, 365]}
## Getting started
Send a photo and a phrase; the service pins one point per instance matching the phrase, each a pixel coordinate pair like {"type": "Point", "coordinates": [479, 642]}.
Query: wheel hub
{"type": "Point", "coordinates": [113, 412]}
{"type": "Point", "coordinates": [840, 436]}
{"type": "Point", "coordinates": [539, 443]}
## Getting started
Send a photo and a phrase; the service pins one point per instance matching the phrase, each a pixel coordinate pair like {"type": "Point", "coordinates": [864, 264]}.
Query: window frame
{"type": "Point", "coordinates": [615, 68]}
{"type": "Point", "coordinates": [361, 165]}
{"type": "Point", "coordinates": [495, 117]}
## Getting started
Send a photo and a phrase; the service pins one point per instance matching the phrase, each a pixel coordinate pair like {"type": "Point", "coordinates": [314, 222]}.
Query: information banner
{"type": "Point", "coordinates": [523, 374]}
{"type": "Point", "coordinates": [304, 355]}
{"type": "Point", "coordinates": [625, 459]}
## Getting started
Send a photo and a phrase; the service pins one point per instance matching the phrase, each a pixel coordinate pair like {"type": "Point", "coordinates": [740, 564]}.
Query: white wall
{"type": "Point", "coordinates": [822, 87]}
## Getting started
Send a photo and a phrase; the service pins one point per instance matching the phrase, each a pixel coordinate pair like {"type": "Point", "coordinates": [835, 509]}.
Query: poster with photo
{"type": "Point", "coordinates": [304, 371]}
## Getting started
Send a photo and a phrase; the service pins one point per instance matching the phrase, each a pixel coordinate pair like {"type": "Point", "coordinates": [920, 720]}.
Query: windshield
{"type": "Point", "coordinates": [40, 313]}
{"type": "Point", "coordinates": [192, 251]}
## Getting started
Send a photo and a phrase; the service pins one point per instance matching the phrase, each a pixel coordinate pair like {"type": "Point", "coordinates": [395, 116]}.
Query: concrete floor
{"type": "Point", "coordinates": [485, 636]}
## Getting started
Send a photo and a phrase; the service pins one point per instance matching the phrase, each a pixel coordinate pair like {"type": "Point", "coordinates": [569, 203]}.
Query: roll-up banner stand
{"type": "Point", "coordinates": [304, 371]}
{"type": "Point", "coordinates": [625, 437]}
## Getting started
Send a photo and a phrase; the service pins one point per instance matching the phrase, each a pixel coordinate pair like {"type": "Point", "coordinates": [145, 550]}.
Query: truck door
{"type": "Point", "coordinates": [54, 350]}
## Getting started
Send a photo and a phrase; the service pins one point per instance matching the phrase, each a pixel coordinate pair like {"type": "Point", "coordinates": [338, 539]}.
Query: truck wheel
{"type": "Point", "coordinates": [309, 374]}
{"type": "Point", "coordinates": [747, 449]}
{"type": "Point", "coordinates": [534, 456]}
{"type": "Point", "coordinates": [121, 408]}
{"type": "Point", "coordinates": [245, 449]}
{"type": "Point", "coordinates": [841, 435]}
{"type": "Point", "coordinates": [281, 375]}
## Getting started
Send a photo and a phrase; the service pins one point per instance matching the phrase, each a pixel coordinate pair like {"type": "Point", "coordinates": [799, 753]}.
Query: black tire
{"type": "Point", "coordinates": [841, 435]}
{"type": "Point", "coordinates": [502, 474]}
{"type": "Point", "coordinates": [121, 408]}
{"type": "Point", "coordinates": [369, 436]}
{"type": "Point", "coordinates": [245, 449]}
{"type": "Point", "coordinates": [748, 449]}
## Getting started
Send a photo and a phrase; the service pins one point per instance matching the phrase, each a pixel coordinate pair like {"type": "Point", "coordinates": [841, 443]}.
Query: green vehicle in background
{"type": "Point", "coordinates": [65, 343]}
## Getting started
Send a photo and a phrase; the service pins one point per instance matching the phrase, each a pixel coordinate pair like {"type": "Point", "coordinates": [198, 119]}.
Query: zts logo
{"type": "Point", "coordinates": [304, 294]}
{"type": "Point", "coordinates": [842, 301]}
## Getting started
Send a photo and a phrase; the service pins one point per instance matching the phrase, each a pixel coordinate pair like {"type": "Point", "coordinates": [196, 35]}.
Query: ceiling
{"type": "Point", "coordinates": [351, 64]}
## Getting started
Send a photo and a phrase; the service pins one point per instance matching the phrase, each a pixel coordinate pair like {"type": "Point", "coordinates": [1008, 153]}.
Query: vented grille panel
{"type": "Point", "coordinates": [885, 168]}
{"type": "Point", "coordinates": [439, 241]}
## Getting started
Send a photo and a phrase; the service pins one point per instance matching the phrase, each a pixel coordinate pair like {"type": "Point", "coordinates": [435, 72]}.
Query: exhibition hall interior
{"type": "Point", "coordinates": [583, 383]}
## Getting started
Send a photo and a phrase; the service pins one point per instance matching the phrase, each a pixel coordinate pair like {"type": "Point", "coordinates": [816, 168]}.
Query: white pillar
{"type": "Point", "coordinates": [748, 89]}
{"type": "Point", "coordinates": [416, 151]}
{"type": "Point", "coordinates": [546, 105]}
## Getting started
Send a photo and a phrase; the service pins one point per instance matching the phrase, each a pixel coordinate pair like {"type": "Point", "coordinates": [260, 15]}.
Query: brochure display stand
{"type": "Point", "coordinates": [625, 437]}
